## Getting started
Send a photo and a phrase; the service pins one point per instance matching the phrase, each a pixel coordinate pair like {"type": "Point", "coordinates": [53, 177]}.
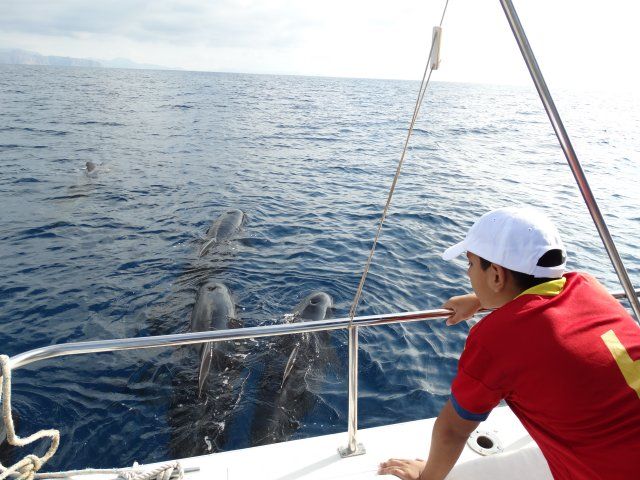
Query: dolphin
{"type": "Point", "coordinates": [225, 226]}
{"type": "Point", "coordinates": [285, 398]}
{"type": "Point", "coordinates": [213, 310]}
{"type": "Point", "coordinates": [91, 168]}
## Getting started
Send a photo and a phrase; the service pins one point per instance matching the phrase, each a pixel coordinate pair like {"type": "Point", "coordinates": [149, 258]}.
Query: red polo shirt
{"type": "Point", "coordinates": [568, 364]}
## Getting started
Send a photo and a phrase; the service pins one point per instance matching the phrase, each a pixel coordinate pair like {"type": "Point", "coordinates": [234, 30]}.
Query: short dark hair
{"type": "Point", "coordinates": [552, 258]}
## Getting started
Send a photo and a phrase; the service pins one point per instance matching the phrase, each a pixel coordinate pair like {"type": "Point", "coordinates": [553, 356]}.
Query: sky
{"type": "Point", "coordinates": [586, 43]}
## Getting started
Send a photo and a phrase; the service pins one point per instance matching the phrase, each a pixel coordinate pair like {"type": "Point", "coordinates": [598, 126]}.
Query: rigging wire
{"type": "Point", "coordinates": [426, 77]}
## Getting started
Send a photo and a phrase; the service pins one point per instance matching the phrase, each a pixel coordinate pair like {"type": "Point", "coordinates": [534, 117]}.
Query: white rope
{"type": "Point", "coordinates": [26, 468]}
{"type": "Point", "coordinates": [426, 77]}
{"type": "Point", "coordinates": [172, 470]}
{"type": "Point", "coordinates": [168, 471]}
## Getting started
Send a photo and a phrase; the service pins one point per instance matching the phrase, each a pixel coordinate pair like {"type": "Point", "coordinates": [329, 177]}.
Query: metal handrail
{"type": "Point", "coordinates": [97, 346]}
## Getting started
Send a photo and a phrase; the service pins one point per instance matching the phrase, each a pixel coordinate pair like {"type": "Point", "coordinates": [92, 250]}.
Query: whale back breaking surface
{"type": "Point", "coordinates": [223, 229]}
{"type": "Point", "coordinates": [213, 308]}
{"type": "Point", "coordinates": [314, 307]}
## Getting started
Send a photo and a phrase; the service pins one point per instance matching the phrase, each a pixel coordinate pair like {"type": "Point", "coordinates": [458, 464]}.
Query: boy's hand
{"type": "Point", "coordinates": [404, 469]}
{"type": "Point", "coordinates": [463, 306]}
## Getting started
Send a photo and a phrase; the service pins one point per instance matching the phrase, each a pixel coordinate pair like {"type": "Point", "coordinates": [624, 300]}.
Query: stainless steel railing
{"type": "Point", "coordinates": [115, 345]}
{"type": "Point", "coordinates": [79, 348]}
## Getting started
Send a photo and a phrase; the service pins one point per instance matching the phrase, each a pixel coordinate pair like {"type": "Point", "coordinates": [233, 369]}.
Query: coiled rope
{"type": "Point", "coordinates": [28, 467]}
{"type": "Point", "coordinates": [426, 77]}
{"type": "Point", "coordinates": [167, 471]}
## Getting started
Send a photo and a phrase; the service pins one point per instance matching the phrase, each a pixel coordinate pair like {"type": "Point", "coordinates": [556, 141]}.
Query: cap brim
{"type": "Point", "coordinates": [453, 251]}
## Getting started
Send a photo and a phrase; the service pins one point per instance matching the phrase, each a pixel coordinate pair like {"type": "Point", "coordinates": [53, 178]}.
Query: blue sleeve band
{"type": "Point", "coordinates": [467, 415]}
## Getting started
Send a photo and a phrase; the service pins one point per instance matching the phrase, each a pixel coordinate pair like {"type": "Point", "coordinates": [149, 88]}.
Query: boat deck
{"type": "Point", "coordinates": [317, 458]}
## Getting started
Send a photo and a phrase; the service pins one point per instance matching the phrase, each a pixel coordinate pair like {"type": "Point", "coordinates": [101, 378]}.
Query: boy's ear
{"type": "Point", "coordinates": [497, 278]}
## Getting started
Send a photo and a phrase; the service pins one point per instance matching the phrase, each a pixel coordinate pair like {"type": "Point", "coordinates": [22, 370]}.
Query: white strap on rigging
{"type": "Point", "coordinates": [434, 58]}
{"type": "Point", "coordinates": [432, 64]}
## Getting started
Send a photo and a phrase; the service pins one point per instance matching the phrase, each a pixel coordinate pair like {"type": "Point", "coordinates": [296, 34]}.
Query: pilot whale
{"type": "Point", "coordinates": [200, 422]}
{"type": "Point", "coordinates": [223, 228]}
{"type": "Point", "coordinates": [314, 307]}
{"type": "Point", "coordinates": [285, 398]}
{"type": "Point", "coordinates": [213, 310]}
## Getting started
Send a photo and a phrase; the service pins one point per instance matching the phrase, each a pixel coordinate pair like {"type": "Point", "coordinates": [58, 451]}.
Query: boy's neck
{"type": "Point", "coordinates": [505, 296]}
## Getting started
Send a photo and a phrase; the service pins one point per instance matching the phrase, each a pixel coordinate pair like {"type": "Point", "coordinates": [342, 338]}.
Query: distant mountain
{"type": "Point", "coordinates": [23, 57]}
{"type": "Point", "coordinates": [16, 56]}
{"type": "Point", "coordinates": [125, 63]}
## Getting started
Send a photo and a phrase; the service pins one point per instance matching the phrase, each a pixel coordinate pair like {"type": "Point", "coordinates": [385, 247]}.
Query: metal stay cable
{"type": "Point", "coordinates": [570, 154]}
{"type": "Point", "coordinates": [426, 77]}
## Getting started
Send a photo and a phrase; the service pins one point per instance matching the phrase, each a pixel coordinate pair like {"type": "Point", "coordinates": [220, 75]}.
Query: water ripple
{"type": "Point", "coordinates": [310, 160]}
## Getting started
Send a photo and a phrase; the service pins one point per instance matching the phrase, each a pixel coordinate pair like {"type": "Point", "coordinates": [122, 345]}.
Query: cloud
{"type": "Point", "coordinates": [224, 24]}
{"type": "Point", "coordinates": [69, 17]}
{"type": "Point", "coordinates": [370, 38]}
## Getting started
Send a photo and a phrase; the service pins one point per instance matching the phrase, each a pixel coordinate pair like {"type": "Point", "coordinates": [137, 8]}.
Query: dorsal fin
{"type": "Point", "coordinates": [207, 245]}
{"type": "Point", "coordinates": [290, 362]}
{"type": "Point", "coordinates": [205, 365]}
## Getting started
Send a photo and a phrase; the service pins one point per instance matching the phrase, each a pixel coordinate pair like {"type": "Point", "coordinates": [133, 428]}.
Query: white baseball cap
{"type": "Point", "coordinates": [514, 238]}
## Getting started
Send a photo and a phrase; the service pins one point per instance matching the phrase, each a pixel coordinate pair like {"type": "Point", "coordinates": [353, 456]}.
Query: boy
{"type": "Point", "coordinates": [561, 352]}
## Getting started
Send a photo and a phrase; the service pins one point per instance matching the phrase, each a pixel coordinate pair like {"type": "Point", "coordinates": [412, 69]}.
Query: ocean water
{"type": "Point", "coordinates": [310, 161]}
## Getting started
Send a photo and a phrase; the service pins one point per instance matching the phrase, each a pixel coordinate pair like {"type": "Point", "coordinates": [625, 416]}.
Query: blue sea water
{"type": "Point", "coordinates": [310, 161]}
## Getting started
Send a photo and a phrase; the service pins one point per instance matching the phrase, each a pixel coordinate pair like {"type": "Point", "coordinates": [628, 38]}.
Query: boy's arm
{"type": "Point", "coordinates": [463, 306]}
{"type": "Point", "coordinates": [448, 438]}
{"type": "Point", "coordinates": [450, 433]}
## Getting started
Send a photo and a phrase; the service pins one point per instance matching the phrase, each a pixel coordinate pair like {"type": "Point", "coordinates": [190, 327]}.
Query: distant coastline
{"type": "Point", "coordinates": [15, 56]}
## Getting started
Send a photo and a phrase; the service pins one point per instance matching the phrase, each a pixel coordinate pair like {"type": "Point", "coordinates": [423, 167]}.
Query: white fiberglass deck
{"type": "Point", "coordinates": [317, 458]}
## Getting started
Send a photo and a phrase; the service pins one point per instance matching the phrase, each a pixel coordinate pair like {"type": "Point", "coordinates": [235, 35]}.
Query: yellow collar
{"type": "Point", "coordinates": [548, 289]}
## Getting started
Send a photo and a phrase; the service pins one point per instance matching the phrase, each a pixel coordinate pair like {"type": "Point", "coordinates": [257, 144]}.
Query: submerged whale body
{"type": "Point", "coordinates": [285, 397]}
{"type": "Point", "coordinates": [222, 229]}
{"type": "Point", "coordinates": [212, 311]}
